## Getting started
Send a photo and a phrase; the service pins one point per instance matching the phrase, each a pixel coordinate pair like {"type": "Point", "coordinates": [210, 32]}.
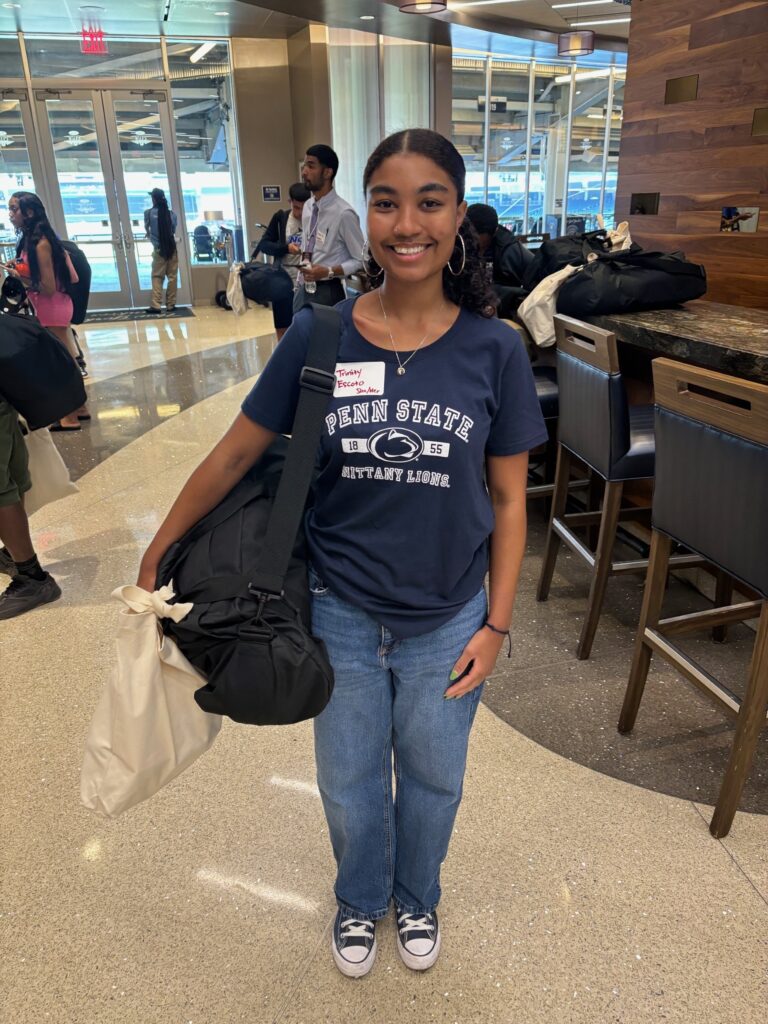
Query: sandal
{"type": "Point", "coordinates": [83, 415]}
{"type": "Point", "coordinates": [56, 428]}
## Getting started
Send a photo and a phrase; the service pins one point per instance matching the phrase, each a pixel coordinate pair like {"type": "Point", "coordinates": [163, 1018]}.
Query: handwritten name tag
{"type": "Point", "coordinates": [359, 379]}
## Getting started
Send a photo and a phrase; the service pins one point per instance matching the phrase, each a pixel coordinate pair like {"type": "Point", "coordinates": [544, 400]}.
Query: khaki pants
{"type": "Point", "coordinates": [161, 269]}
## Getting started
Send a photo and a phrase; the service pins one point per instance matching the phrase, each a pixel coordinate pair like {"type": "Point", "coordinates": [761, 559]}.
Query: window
{"type": "Point", "coordinates": [61, 57]}
{"type": "Point", "coordinates": [468, 122]}
{"type": "Point", "coordinates": [10, 58]}
{"type": "Point", "coordinates": [201, 88]}
{"type": "Point", "coordinates": [532, 187]}
{"type": "Point", "coordinates": [507, 143]}
{"type": "Point", "coordinates": [15, 168]}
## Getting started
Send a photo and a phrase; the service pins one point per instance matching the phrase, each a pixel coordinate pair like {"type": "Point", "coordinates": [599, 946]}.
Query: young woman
{"type": "Point", "coordinates": [45, 268]}
{"type": "Point", "coordinates": [160, 226]}
{"type": "Point", "coordinates": [421, 490]}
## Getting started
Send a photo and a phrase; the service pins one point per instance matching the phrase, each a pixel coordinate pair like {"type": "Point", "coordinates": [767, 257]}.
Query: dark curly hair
{"type": "Point", "coordinates": [472, 288]}
{"type": "Point", "coordinates": [36, 227]}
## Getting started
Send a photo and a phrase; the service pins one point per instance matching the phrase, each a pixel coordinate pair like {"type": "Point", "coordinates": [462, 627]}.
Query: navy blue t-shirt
{"type": "Point", "coordinates": [401, 516]}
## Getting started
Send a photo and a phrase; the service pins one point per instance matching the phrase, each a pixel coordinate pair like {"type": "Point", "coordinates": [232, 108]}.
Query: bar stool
{"type": "Point", "coordinates": [711, 495]}
{"type": "Point", "coordinates": [545, 378]}
{"type": "Point", "coordinates": [598, 426]}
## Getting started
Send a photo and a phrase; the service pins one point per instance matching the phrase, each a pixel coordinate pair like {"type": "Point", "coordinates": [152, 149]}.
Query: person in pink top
{"type": "Point", "coordinates": [45, 269]}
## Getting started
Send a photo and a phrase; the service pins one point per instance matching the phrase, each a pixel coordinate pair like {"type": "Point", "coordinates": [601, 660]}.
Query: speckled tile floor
{"type": "Point", "coordinates": [569, 895]}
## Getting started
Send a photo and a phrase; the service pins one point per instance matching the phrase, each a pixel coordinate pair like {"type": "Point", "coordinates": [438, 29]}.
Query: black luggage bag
{"type": "Point", "coordinates": [38, 377]}
{"type": "Point", "coordinates": [244, 568]}
{"type": "Point", "coordinates": [556, 253]}
{"type": "Point", "coordinates": [629, 282]}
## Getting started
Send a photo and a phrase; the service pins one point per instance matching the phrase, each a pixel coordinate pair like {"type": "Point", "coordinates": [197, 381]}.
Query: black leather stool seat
{"type": "Point", "coordinates": [638, 461]}
{"type": "Point", "coordinates": [547, 391]}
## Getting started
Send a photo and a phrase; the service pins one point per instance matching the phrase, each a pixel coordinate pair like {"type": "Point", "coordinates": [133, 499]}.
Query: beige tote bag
{"type": "Point", "coordinates": [48, 471]}
{"type": "Point", "coordinates": [147, 727]}
{"type": "Point", "coordinates": [235, 296]}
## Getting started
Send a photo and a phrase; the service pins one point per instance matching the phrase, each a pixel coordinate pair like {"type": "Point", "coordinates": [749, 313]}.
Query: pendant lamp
{"type": "Point", "coordinates": [575, 44]}
{"type": "Point", "coordinates": [424, 7]}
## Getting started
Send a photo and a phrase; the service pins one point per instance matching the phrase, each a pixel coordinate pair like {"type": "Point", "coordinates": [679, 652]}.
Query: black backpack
{"type": "Point", "coordinates": [556, 253]}
{"type": "Point", "coordinates": [38, 377]}
{"type": "Point", "coordinates": [81, 291]}
{"type": "Point", "coordinates": [629, 282]}
{"type": "Point", "coordinates": [244, 568]}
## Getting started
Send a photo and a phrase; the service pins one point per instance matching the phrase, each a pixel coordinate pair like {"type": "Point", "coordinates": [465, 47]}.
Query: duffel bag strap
{"type": "Point", "coordinates": [317, 382]}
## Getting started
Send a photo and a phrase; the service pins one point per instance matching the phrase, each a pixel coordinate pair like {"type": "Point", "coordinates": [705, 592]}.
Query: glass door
{"type": "Point", "coordinates": [138, 125]}
{"type": "Point", "coordinates": [107, 149]}
{"type": "Point", "coordinates": [19, 171]}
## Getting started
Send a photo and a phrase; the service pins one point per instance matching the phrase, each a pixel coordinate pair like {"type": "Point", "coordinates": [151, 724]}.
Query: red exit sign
{"type": "Point", "coordinates": [92, 41]}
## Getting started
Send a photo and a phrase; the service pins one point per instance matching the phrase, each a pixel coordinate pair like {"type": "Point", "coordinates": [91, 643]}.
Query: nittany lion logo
{"type": "Point", "coordinates": [394, 444]}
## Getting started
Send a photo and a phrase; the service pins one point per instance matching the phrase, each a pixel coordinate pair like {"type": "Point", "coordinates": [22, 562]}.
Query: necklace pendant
{"type": "Point", "coordinates": [400, 371]}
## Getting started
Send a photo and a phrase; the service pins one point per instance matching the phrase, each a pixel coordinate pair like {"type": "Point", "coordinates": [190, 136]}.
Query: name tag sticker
{"type": "Point", "coordinates": [354, 379]}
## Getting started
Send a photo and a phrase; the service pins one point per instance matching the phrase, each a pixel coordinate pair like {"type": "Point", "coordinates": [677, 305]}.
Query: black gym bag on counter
{"type": "Point", "coordinates": [629, 282]}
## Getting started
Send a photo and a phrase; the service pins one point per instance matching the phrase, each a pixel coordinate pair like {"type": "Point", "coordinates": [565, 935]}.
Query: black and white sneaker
{"type": "Point", "coordinates": [7, 564]}
{"type": "Point", "coordinates": [26, 593]}
{"type": "Point", "coordinates": [353, 944]}
{"type": "Point", "coordinates": [418, 939]}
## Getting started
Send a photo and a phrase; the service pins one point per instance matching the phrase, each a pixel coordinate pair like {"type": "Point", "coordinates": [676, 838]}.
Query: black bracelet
{"type": "Point", "coordinates": [501, 632]}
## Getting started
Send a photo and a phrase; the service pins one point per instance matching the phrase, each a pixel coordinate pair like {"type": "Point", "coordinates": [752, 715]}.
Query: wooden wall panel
{"type": "Point", "coordinates": [699, 155]}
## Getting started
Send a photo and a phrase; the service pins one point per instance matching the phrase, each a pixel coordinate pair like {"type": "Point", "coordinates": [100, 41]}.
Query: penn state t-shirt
{"type": "Point", "coordinates": [401, 516]}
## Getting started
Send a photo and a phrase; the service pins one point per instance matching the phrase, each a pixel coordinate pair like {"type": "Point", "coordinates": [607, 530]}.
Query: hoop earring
{"type": "Point", "coordinates": [367, 258]}
{"type": "Point", "coordinates": [460, 271]}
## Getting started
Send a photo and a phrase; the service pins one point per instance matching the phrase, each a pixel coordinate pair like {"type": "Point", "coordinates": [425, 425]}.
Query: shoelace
{"type": "Point", "coordinates": [353, 928]}
{"type": "Point", "coordinates": [416, 924]}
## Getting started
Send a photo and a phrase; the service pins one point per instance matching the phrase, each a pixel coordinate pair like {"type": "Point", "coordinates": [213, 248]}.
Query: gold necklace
{"type": "Point", "coordinates": [400, 365]}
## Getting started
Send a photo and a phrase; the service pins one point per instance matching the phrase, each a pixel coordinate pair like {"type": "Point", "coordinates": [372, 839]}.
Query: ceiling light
{"type": "Point", "coordinates": [11, 6]}
{"type": "Point", "coordinates": [483, 3]}
{"type": "Point", "coordinates": [575, 44]}
{"type": "Point", "coordinates": [603, 21]}
{"type": "Point", "coordinates": [221, 14]}
{"type": "Point", "coordinates": [423, 6]}
{"type": "Point", "coordinates": [201, 51]}
{"type": "Point", "coordinates": [586, 3]}
{"type": "Point", "coordinates": [367, 17]}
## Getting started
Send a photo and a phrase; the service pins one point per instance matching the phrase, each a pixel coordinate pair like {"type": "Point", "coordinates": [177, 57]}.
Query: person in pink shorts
{"type": "Point", "coordinates": [45, 268]}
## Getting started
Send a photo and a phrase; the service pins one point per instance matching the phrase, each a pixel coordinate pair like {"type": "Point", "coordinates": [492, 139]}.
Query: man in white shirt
{"type": "Point", "coordinates": [332, 240]}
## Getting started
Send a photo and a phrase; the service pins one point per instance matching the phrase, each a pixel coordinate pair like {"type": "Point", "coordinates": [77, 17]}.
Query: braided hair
{"type": "Point", "coordinates": [472, 287]}
{"type": "Point", "coordinates": [167, 243]}
{"type": "Point", "coordinates": [37, 227]}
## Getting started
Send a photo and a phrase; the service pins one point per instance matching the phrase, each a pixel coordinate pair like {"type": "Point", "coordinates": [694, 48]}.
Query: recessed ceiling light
{"type": "Point", "coordinates": [221, 14]}
{"type": "Point", "coordinates": [11, 6]}
{"type": "Point", "coordinates": [367, 17]}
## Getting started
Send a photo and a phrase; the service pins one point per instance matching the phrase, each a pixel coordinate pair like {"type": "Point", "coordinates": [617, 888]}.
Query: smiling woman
{"type": "Point", "coordinates": [420, 491]}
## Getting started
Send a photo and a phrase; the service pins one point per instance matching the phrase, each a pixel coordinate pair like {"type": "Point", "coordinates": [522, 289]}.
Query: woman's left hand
{"type": "Point", "coordinates": [482, 651]}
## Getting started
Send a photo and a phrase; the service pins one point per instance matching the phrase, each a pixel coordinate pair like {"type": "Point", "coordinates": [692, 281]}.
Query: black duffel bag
{"type": "Point", "coordinates": [38, 377]}
{"type": "Point", "coordinates": [258, 279]}
{"type": "Point", "coordinates": [629, 282]}
{"type": "Point", "coordinates": [244, 568]}
{"type": "Point", "coordinates": [556, 253]}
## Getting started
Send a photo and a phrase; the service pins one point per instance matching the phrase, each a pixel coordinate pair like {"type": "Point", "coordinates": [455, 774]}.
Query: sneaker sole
{"type": "Point", "coordinates": [419, 963]}
{"type": "Point", "coordinates": [44, 600]}
{"type": "Point", "coordinates": [350, 970]}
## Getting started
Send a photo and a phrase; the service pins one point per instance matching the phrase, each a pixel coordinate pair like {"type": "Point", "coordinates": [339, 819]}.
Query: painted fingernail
{"type": "Point", "coordinates": [454, 675]}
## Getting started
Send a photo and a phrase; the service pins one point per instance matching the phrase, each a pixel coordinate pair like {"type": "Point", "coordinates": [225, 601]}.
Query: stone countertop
{"type": "Point", "coordinates": [731, 339]}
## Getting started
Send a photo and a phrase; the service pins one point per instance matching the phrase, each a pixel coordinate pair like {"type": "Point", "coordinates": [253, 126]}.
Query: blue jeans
{"type": "Point", "coordinates": [388, 700]}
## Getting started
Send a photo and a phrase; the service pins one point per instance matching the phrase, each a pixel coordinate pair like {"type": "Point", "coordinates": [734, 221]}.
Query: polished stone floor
{"type": "Point", "coordinates": [582, 883]}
